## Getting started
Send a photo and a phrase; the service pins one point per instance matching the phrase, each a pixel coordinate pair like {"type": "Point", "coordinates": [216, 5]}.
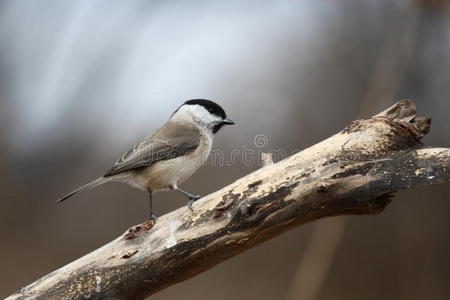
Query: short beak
{"type": "Point", "coordinates": [227, 121]}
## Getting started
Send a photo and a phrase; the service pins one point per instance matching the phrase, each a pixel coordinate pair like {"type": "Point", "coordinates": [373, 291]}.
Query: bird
{"type": "Point", "coordinates": [169, 156]}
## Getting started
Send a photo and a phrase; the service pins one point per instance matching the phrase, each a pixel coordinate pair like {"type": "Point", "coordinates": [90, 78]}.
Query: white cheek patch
{"type": "Point", "coordinates": [198, 113]}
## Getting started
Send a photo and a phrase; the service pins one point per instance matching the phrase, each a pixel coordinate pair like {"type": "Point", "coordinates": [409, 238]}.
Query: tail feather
{"type": "Point", "coordinates": [87, 186]}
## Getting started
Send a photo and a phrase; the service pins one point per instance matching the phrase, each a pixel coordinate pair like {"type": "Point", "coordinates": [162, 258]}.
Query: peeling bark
{"type": "Point", "coordinates": [353, 172]}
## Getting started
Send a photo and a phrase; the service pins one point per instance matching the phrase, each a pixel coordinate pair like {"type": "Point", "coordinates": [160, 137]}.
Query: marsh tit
{"type": "Point", "coordinates": [171, 154]}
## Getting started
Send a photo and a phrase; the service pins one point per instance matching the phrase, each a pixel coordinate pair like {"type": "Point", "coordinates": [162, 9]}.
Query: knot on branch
{"type": "Point", "coordinates": [395, 129]}
{"type": "Point", "coordinates": [138, 230]}
{"type": "Point", "coordinates": [404, 112]}
{"type": "Point", "coordinates": [258, 208]}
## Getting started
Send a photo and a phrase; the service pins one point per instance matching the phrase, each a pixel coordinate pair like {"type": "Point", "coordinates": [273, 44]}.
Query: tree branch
{"type": "Point", "coordinates": [351, 173]}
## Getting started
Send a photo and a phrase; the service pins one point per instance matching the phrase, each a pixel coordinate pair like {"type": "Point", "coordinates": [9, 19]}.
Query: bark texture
{"type": "Point", "coordinates": [353, 172]}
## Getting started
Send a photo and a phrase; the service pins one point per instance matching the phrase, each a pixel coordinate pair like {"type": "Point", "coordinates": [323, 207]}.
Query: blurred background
{"type": "Point", "coordinates": [82, 81]}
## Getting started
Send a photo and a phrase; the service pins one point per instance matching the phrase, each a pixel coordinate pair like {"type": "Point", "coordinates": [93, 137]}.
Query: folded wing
{"type": "Point", "coordinates": [168, 142]}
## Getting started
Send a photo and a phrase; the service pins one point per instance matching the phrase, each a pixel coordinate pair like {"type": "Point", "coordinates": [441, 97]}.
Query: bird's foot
{"type": "Point", "coordinates": [152, 217]}
{"type": "Point", "coordinates": [192, 199]}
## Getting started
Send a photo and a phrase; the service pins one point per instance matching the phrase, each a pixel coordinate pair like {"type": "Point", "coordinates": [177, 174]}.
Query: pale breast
{"type": "Point", "coordinates": [174, 171]}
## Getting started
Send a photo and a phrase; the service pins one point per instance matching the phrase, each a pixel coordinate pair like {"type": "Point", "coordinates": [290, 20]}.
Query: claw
{"type": "Point", "coordinates": [190, 202]}
{"type": "Point", "coordinates": [192, 199]}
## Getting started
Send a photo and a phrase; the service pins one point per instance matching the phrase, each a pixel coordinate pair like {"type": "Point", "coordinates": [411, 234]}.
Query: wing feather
{"type": "Point", "coordinates": [169, 142]}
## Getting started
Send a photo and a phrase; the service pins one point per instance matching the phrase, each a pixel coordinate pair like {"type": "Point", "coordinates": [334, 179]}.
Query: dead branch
{"type": "Point", "coordinates": [353, 172]}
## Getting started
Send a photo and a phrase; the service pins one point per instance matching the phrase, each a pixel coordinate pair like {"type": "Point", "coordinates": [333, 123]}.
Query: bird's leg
{"type": "Point", "coordinates": [151, 216]}
{"type": "Point", "coordinates": [191, 197]}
